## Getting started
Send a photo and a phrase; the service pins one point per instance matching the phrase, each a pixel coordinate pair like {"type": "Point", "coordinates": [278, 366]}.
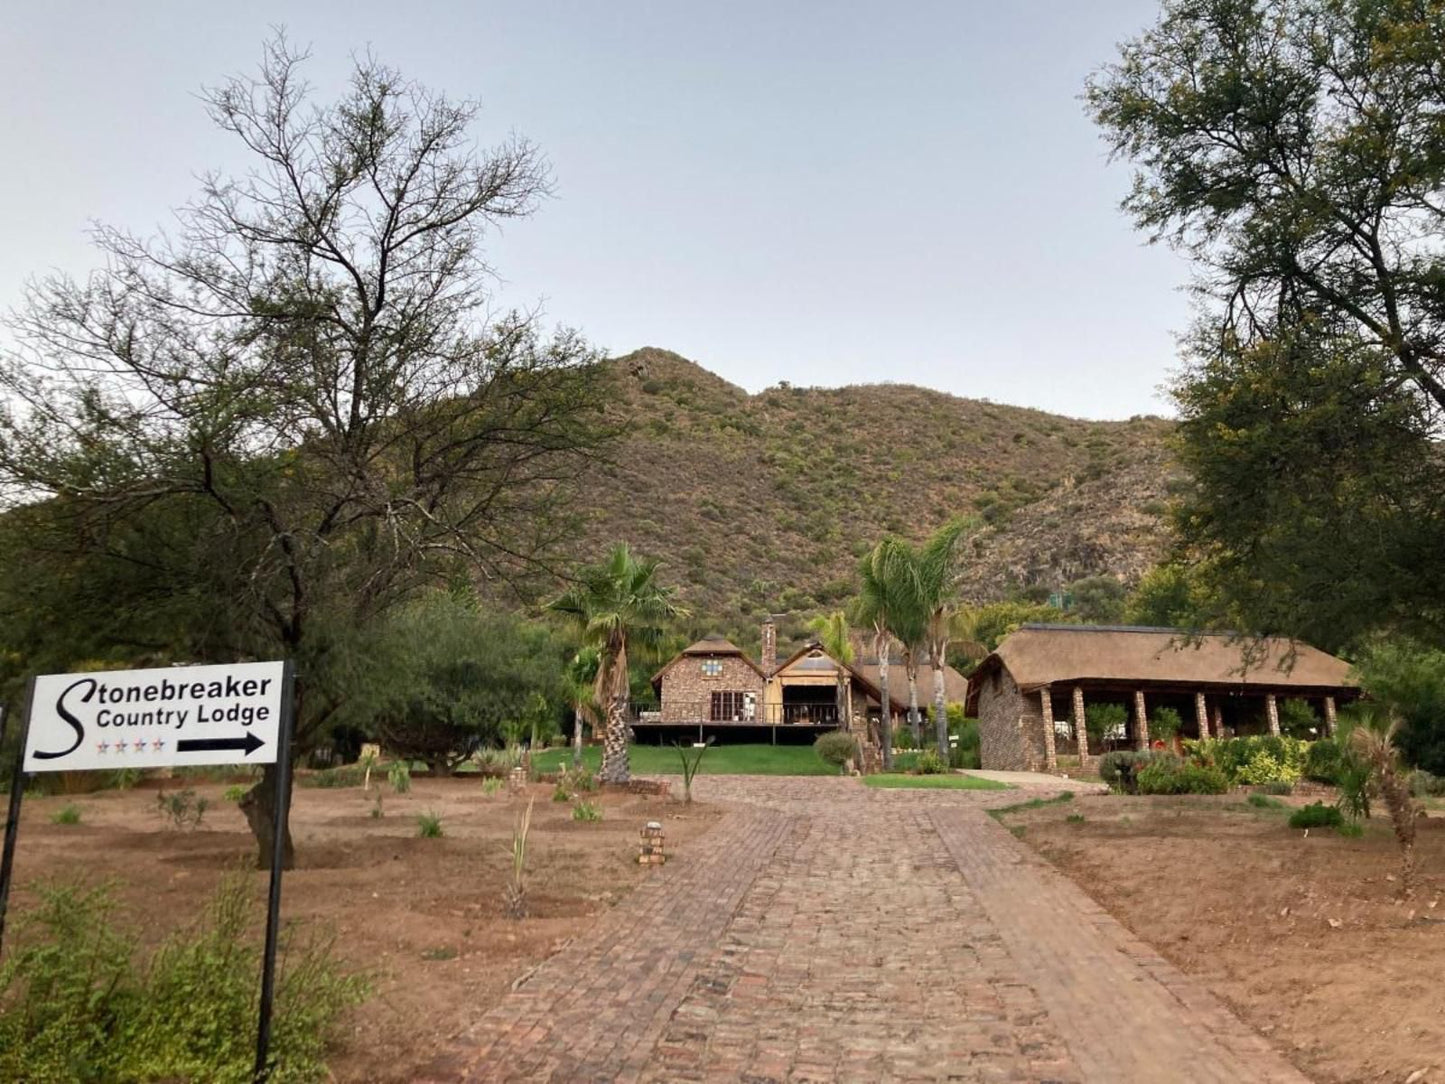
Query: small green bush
{"type": "Point", "coordinates": [66, 814]}
{"type": "Point", "coordinates": [1075, 818]}
{"type": "Point", "coordinates": [1351, 829]}
{"type": "Point", "coordinates": [560, 793]}
{"type": "Point", "coordinates": [491, 785]}
{"type": "Point", "coordinates": [429, 826]}
{"type": "Point", "coordinates": [346, 775]}
{"type": "Point", "coordinates": [1322, 762]}
{"type": "Point", "coordinates": [1120, 769]}
{"type": "Point", "coordinates": [586, 811]}
{"type": "Point", "coordinates": [235, 792]}
{"type": "Point", "coordinates": [184, 808]}
{"type": "Point", "coordinates": [399, 776]}
{"type": "Point", "coordinates": [903, 739]}
{"type": "Point", "coordinates": [1316, 815]}
{"type": "Point", "coordinates": [75, 1005]}
{"type": "Point", "coordinates": [1278, 787]}
{"type": "Point", "coordinates": [1103, 721]}
{"type": "Point", "coordinates": [1169, 775]}
{"type": "Point", "coordinates": [836, 747]}
{"type": "Point", "coordinates": [1261, 758]}
{"type": "Point", "coordinates": [1259, 801]}
{"type": "Point", "coordinates": [930, 763]}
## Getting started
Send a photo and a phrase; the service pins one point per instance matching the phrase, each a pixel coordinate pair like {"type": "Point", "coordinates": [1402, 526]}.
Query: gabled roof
{"type": "Point", "coordinates": [707, 646]}
{"type": "Point", "coordinates": [1038, 655]}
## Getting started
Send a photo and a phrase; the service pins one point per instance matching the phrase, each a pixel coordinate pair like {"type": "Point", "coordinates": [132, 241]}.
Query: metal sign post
{"type": "Point", "coordinates": [12, 816]}
{"type": "Point", "coordinates": [280, 815]}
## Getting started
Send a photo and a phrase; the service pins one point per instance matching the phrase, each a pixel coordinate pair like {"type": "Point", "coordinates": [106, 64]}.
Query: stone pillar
{"type": "Point", "coordinates": [1330, 717]}
{"type": "Point", "coordinates": [1271, 710]}
{"type": "Point", "coordinates": [1201, 715]}
{"type": "Point", "coordinates": [1046, 709]}
{"type": "Point", "coordinates": [769, 653]}
{"type": "Point", "coordinates": [1141, 721]}
{"type": "Point", "coordinates": [1081, 730]}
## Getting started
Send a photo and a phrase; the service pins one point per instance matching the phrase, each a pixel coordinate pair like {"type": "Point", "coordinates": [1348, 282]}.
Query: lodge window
{"type": "Point", "coordinates": [712, 668]}
{"type": "Point", "coordinates": [727, 706]}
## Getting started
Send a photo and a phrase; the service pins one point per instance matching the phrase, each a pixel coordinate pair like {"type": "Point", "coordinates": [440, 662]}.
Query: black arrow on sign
{"type": "Point", "coordinates": [250, 743]}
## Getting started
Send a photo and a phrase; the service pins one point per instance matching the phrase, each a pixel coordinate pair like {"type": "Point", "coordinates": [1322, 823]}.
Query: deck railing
{"type": "Point", "coordinates": [693, 713]}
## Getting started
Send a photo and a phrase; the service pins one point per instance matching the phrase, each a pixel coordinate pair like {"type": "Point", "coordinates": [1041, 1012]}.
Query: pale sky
{"type": "Point", "coordinates": [823, 193]}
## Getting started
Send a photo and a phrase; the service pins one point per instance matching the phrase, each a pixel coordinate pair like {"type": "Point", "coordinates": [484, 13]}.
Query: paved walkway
{"type": "Point", "coordinates": [758, 958]}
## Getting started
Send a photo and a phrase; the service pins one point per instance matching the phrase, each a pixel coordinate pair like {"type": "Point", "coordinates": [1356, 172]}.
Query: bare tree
{"type": "Point", "coordinates": [307, 376]}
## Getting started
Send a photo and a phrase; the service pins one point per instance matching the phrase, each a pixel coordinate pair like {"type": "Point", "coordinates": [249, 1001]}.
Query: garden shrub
{"type": "Point", "coordinates": [966, 753]}
{"type": "Point", "coordinates": [1316, 815]}
{"type": "Point", "coordinates": [903, 739]}
{"type": "Point", "coordinates": [1170, 775]}
{"type": "Point", "coordinates": [930, 763]}
{"type": "Point", "coordinates": [836, 747]}
{"type": "Point", "coordinates": [1261, 758]}
{"type": "Point", "coordinates": [1322, 762]}
{"type": "Point", "coordinates": [74, 1005]}
{"type": "Point", "coordinates": [1278, 787]}
{"type": "Point", "coordinates": [1297, 719]}
{"type": "Point", "coordinates": [1120, 768]}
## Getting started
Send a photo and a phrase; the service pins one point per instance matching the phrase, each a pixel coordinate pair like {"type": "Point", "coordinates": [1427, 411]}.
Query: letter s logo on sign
{"type": "Point", "coordinates": [65, 714]}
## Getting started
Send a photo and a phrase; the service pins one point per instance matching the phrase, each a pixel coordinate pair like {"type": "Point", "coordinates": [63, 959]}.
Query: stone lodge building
{"type": "Point", "coordinates": [1030, 694]}
{"type": "Point", "coordinates": [715, 687]}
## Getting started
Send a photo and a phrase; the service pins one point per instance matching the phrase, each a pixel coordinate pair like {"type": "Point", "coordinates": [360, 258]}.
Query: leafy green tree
{"type": "Point", "coordinates": [614, 605]}
{"type": "Point", "coordinates": [444, 676]}
{"type": "Point", "coordinates": [1408, 678]}
{"type": "Point", "coordinates": [303, 385]}
{"type": "Point", "coordinates": [1170, 596]}
{"type": "Point", "coordinates": [1291, 149]}
{"type": "Point", "coordinates": [993, 622]}
{"type": "Point", "coordinates": [1098, 600]}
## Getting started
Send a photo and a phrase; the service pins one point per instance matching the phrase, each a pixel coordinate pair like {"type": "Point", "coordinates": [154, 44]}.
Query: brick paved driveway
{"type": "Point", "coordinates": [758, 959]}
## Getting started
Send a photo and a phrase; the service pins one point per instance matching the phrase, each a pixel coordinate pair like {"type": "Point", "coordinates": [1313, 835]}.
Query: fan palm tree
{"type": "Point", "coordinates": [881, 599]}
{"type": "Point", "coordinates": [614, 605]}
{"type": "Point", "coordinates": [837, 640]}
{"type": "Point", "coordinates": [1373, 741]}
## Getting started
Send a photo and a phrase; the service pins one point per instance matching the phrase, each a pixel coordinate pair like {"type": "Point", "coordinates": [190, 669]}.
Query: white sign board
{"type": "Point", "coordinates": [155, 718]}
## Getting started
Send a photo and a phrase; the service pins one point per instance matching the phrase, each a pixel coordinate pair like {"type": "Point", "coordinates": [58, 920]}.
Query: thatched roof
{"type": "Point", "coordinates": [1038, 655]}
{"type": "Point", "coordinates": [707, 646]}
{"type": "Point", "coordinates": [712, 645]}
{"type": "Point", "coordinates": [955, 685]}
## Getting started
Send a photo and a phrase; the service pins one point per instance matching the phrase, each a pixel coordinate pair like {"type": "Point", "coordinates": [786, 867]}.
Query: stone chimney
{"type": "Point", "coordinates": [770, 646]}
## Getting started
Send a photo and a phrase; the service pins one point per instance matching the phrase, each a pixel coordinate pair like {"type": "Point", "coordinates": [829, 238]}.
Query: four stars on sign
{"type": "Point", "coordinates": [156, 744]}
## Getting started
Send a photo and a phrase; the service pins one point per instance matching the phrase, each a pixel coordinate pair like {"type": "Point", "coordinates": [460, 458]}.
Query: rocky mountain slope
{"type": "Point", "coordinates": [763, 503]}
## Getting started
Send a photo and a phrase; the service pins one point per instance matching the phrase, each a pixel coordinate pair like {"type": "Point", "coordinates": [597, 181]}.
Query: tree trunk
{"type": "Point", "coordinates": [914, 724]}
{"type": "Point", "coordinates": [259, 806]}
{"type": "Point", "coordinates": [886, 716]}
{"type": "Point", "coordinates": [615, 766]}
{"type": "Point", "coordinates": [940, 710]}
{"type": "Point", "coordinates": [576, 738]}
{"type": "Point", "coordinates": [1396, 794]}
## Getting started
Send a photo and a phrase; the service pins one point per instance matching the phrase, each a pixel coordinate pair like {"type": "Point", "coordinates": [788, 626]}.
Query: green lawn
{"type": "Point", "coordinates": [718, 760]}
{"type": "Point", "coordinates": [933, 782]}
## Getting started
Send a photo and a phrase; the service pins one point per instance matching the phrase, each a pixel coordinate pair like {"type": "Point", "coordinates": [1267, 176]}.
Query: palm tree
{"type": "Point", "coordinates": [934, 591]}
{"type": "Point", "coordinates": [833, 633]}
{"type": "Point", "coordinates": [1373, 741]}
{"type": "Point", "coordinates": [613, 604]}
{"type": "Point", "coordinates": [583, 688]}
{"type": "Point", "coordinates": [882, 572]}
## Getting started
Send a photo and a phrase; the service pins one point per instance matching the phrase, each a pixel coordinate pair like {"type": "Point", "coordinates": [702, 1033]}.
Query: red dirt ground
{"type": "Point", "coordinates": [424, 916]}
{"type": "Point", "coordinates": [1301, 935]}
